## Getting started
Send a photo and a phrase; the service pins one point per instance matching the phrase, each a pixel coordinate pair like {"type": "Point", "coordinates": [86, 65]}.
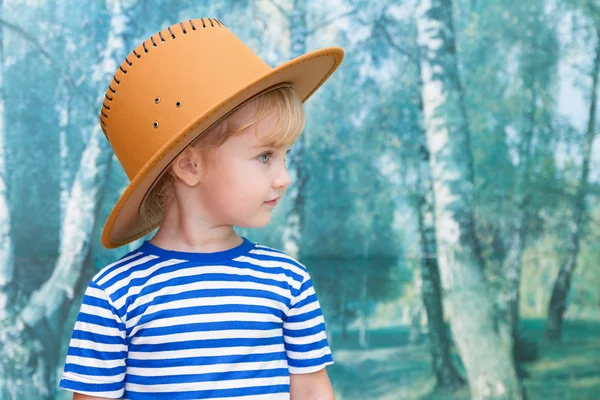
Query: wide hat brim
{"type": "Point", "coordinates": [305, 73]}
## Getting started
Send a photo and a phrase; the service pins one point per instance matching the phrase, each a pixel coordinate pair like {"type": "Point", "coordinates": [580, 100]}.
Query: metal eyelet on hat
{"type": "Point", "coordinates": [111, 91]}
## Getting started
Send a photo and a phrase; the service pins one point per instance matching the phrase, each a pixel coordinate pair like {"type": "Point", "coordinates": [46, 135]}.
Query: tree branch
{"type": "Point", "coordinates": [412, 57]}
{"type": "Point", "coordinates": [52, 62]}
{"type": "Point", "coordinates": [328, 22]}
{"type": "Point", "coordinates": [282, 10]}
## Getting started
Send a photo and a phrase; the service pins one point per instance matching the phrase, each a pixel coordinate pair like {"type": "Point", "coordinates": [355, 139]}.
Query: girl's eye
{"type": "Point", "coordinates": [268, 155]}
{"type": "Point", "coordinates": [265, 155]}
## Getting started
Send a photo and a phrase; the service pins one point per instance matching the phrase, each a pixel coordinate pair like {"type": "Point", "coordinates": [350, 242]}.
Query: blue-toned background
{"type": "Point", "coordinates": [480, 115]}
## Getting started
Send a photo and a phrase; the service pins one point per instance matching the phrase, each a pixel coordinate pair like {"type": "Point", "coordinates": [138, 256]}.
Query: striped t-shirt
{"type": "Point", "coordinates": [164, 324]}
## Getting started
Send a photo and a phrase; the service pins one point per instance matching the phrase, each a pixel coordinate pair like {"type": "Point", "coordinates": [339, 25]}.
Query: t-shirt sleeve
{"type": "Point", "coordinates": [304, 332]}
{"type": "Point", "coordinates": [97, 353]}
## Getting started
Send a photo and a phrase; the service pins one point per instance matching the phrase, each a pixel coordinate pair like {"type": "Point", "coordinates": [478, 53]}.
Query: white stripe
{"type": "Point", "coordinates": [87, 327]}
{"type": "Point", "coordinates": [262, 249]}
{"type": "Point", "coordinates": [302, 296]}
{"type": "Point", "coordinates": [97, 379]}
{"type": "Point", "coordinates": [225, 384]}
{"type": "Point", "coordinates": [141, 274]}
{"type": "Point", "coordinates": [183, 337]}
{"type": "Point", "coordinates": [273, 264]}
{"type": "Point", "coordinates": [271, 396]}
{"type": "Point", "coordinates": [306, 339]}
{"type": "Point", "coordinates": [93, 362]}
{"type": "Point", "coordinates": [210, 352]}
{"type": "Point", "coordinates": [124, 267]}
{"type": "Point", "coordinates": [100, 347]}
{"type": "Point", "coordinates": [304, 309]}
{"type": "Point", "coordinates": [109, 266]}
{"type": "Point", "coordinates": [205, 369]}
{"type": "Point", "coordinates": [97, 311]}
{"type": "Point", "coordinates": [193, 319]}
{"type": "Point", "coordinates": [210, 269]}
{"type": "Point", "coordinates": [210, 301]}
{"type": "Point", "coordinates": [69, 376]}
{"type": "Point", "coordinates": [172, 290]}
{"type": "Point", "coordinates": [101, 395]}
{"type": "Point", "coordinates": [304, 324]}
{"type": "Point", "coordinates": [308, 355]}
{"type": "Point", "coordinates": [96, 293]}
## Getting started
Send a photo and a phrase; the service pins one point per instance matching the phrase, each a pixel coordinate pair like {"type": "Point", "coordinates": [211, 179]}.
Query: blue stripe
{"type": "Point", "coordinates": [99, 355]}
{"type": "Point", "coordinates": [304, 317]}
{"type": "Point", "coordinates": [118, 264]}
{"type": "Point", "coordinates": [270, 270]}
{"type": "Point", "coordinates": [206, 310]}
{"type": "Point", "coordinates": [205, 344]}
{"type": "Point", "coordinates": [208, 377]}
{"type": "Point", "coordinates": [304, 332]}
{"type": "Point", "coordinates": [202, 293]}
{"type": "Point", "coordinates": [185, 280]}
{"type": "Point", "coordinates": [286, 276]}
{"type": "Point", "coordinates": [96, 320]}
{"type": "Point", "coordinates": [284, 257]}
{"type": "Point", "coordinates": [97, 337]}
{"type": "Point", "coordinates": [311, 362]}
{"type": "Point", "coordinates": [303, 348]}
{"type": "Point", "coordinates": [141, 281]}
{"type": "Point", "coordinates": [209, 326]}
{"type": "Point", "coordinates": [95, 301]}
{"type": "Point", "coordinates": [209, 394]}
{"type": "Point", "coordinates": [308, 300]}
{"type": "Point", "coordinates": [207, 360]}
{"type": "Point", "coordinates": [126, 273]}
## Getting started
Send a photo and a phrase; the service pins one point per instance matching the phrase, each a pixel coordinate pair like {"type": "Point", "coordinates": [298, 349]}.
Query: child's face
{"type": "Point", "coordinates": [245, 176]}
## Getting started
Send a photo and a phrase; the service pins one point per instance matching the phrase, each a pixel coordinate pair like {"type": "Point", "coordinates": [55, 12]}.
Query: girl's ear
{"type": "Point", "coordinates": [186, 167]}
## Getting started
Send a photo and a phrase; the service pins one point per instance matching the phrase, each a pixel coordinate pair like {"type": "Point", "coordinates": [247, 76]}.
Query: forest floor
{"type": "Point", "coordinates": [390, 369]}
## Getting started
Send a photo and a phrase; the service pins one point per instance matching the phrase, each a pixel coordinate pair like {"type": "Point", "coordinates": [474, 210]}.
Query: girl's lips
{"type": "Point", "coordinates": [273, 202]}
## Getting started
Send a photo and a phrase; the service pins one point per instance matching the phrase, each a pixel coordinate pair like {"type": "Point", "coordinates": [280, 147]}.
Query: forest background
{"type": "Point", "coordinates": [445, 196]}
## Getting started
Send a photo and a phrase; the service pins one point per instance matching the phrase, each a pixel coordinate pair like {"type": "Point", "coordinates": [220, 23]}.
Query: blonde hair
{"type": "Point", "coordinates": [289, 123]}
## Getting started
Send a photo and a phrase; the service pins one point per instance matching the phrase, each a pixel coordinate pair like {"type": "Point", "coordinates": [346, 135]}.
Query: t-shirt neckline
{"type": "Point", "coordinates": [223, 255]}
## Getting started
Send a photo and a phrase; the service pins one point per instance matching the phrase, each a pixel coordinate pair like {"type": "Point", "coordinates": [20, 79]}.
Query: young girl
{"type": "Point", "coordinates": [201, 126]}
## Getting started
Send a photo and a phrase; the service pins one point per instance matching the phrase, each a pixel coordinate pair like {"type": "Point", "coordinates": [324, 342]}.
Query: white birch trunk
{"type": "Point", "coordinates": [488, 362]}
{"type": "Point", "coordinates": [28, 345]}
{"type": "Point", "coordinates": [363, 329]}
{"type": "Point", "coordinates": [7, 263]}
{"type": "Point", "coordinates": [560, 290]}
{"type": "Point", "coordinates": [292, 233]}
{"type": "Point", "coordinates": [77, 227]}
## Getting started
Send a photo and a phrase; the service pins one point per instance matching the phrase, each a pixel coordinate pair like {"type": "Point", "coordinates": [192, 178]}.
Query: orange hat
{"type": "Point", "coordinates": [174, 86]}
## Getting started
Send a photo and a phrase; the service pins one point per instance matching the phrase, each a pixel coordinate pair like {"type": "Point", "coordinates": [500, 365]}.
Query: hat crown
{"type": "Point", "coordinates": [175, 76]}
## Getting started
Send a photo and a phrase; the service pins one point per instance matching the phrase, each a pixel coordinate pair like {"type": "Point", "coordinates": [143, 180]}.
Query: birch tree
{"type": "Point", "coordinates": [6, 243]}
{"type": "Point", "coordinates": [447, 376]}
{"type": "Point", "coordinates": [487, 359]}
{"type": "Point", "coordinates": [29, 339]}
{"type": "Point", "coordinates": [295, 16]}
{"type": "Point", "coordinates": [560, 290]}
